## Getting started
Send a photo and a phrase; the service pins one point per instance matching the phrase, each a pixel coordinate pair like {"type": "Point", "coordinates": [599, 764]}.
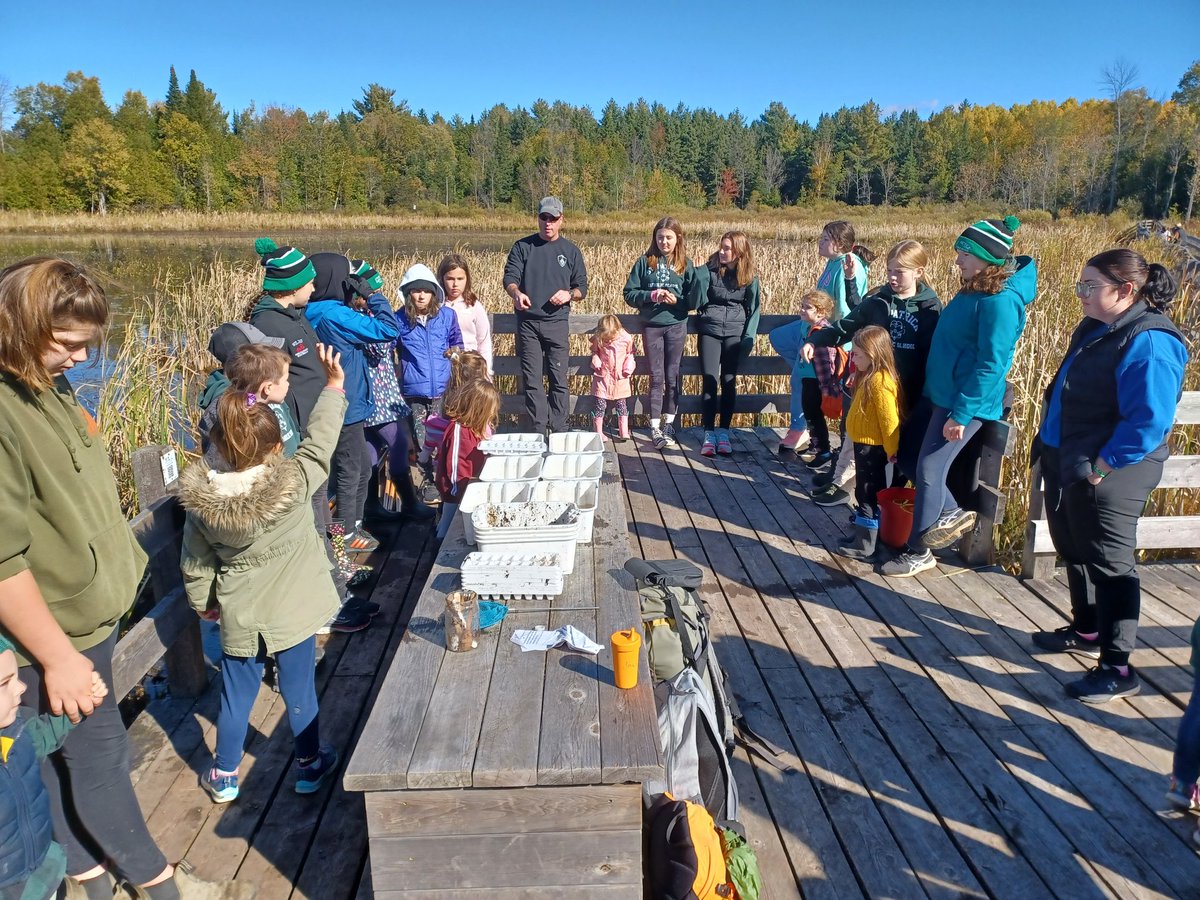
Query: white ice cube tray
{"type": "Point", "coordinates": [516, 443]}
{"type": "Point", "coordinates": [512, 468]}
{"type": "Point", "coordinates": [576, 442]}
{"type": "Point", "coordinates": [513, 576]}
{"type": "Point", "coordinates": [528, 527]}
{"type": "Point", "coordinates": [583, 494]}
{"type": "Point", "coordinates": [479, 492]}
{"type": "Point", "coordinates": [573, 467]}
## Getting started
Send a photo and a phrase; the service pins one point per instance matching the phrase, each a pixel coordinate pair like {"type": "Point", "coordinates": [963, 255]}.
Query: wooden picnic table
{"type": "Point", "coordinates": [506, 772]}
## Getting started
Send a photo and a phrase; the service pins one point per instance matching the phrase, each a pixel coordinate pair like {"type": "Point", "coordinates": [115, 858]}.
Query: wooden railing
{"type": "Point", "coordinates": [1153, 533]}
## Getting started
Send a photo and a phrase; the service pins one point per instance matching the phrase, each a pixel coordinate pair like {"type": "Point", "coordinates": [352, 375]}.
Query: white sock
{"type": "Point", "coordinates": [655, 423]}
{"type": "Point", "coordinates": [669, 419]}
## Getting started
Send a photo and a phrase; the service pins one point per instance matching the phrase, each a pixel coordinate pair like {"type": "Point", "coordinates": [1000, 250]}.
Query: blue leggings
{"type": "Point", "coordinates": [1186, 768]}
{"type": "Point", "coordinates": [933, 465]}
{"type": "Point", "coordinates": [241, 677]}
{"type": "Point", "coordinates": [787, 341]}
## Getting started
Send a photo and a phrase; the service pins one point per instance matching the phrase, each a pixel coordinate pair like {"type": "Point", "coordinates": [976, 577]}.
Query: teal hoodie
{"type": "Point", "coordinates": [833, 283]}
{"type": "Point", "coordinates": [973, 346]}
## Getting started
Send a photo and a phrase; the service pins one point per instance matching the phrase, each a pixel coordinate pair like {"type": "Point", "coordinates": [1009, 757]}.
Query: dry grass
{"type": "Point", "coordinates": [162, 357]}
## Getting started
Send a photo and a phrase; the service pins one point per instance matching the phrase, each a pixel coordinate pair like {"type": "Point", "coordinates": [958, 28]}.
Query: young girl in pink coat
{"type": "Point", "coordinates": [612, 364]}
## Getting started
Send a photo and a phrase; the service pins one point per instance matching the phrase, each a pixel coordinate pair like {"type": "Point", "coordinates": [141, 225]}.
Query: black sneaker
{"type": "Point", "coordinates": [820, 459]}
{"type": "Point", "coordinates": [348, 621]}
{"type": "Point", "coordinates": [370, 607]}
{"type": "Point", "coordinates": [428, 492]}
{"type": "Point", "coordinates": [1104, 683]}
{"type": "Point", "coordinates": [833, 496]}
{"type": "Point", "coordinates": [948, 529]}
{"type": "Point", "coordinates": [822, 480]}
{"type": "Point", "coordinates": [1066, 640]}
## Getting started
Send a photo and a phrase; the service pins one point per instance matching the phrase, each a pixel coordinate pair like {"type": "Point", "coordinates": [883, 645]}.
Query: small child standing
{"type": "Point", "coordinates": [473, 410]}
{"type": "Point", "coordinates": [873, 424]}
{"type": "Point", "coordinates": [252, 561]}
{"type": "Point", "coordinates": [821, 391]}
{"type": "Point", "coordinates": [613, 361]}
{"type": "Point", "coordinates": [454, 275]}
{"type": "Point", "coordinates": [32, 865]}
{"type": "Point", "coordinates": [465, 366]}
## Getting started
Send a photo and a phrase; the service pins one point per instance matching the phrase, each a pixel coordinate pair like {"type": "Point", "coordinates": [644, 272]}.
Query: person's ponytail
{"type": "Point", "coordinates": [1160, 287]}
{"type": "Point", "coordinates": [246, 431]}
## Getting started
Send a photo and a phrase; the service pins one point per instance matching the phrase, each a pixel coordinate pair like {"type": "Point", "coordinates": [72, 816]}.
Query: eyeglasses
{"type": "Point", "coordinates": [546, 217]}
{"type": "Point", "coordinates": [1085, 289]}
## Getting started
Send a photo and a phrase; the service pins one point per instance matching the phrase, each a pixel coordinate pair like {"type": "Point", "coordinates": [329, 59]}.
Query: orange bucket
{"type": "Point", "coordinates": [625, 646]}
{"type": "Point", "coordinates": [895, 515]}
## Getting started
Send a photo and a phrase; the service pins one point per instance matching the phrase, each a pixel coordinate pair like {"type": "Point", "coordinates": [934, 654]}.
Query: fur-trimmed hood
{"type": "Point", "coordinates": [237, 507]}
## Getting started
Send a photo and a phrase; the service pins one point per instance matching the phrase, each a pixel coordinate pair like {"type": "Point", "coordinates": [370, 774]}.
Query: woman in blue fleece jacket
{"type": "Point", "coordinates": [1102, 445]}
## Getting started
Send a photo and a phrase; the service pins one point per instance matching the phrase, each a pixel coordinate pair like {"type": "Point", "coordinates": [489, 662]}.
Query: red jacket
{"type": "Point", "coordinates": [459, 460]}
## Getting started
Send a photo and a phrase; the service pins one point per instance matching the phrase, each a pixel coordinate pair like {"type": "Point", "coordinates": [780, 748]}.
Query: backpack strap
{"type": "Point", "coordinates": [691, 653]}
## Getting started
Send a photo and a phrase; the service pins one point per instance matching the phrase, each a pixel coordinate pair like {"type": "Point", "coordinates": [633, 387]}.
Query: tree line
{"type": "Point", "coordinates": [63, 149]}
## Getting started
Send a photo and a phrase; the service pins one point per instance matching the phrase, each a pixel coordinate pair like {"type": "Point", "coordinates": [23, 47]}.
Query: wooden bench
{"type": "Point", "coordinates": [503, 773]}
{"type": "Point", "coordinates": [1153, 533]}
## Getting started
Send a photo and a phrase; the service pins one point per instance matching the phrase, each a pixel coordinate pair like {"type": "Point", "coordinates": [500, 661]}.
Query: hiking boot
{"type": "Point", "coordinates": [1067, 640]}
{"type": "Point", "coordinates": [657, 439]}
{"type": "Point", "coordinates": [724, 445]}
{"type": "Point", "coordinates": [313, 773]}
{"type": "Point", "coordinates": [668, 432]}
{"type": "Point", "coordinates": [832, 496]}
{"type": "Point", "coordinates": [221, 786]}
{"type": "Point", "coordinates": [909, 563]}
{"type": "Point", "coordinates": [1104, 683]}
{"type": "Point", "coordinates": [819, 460]}
{"type": "Point", "coordinates": [1184, 797]}
{"type": "Point", "coordinates": [948, 528]}
{"type": "Point", "coordinates": [709, 447]}
{"type": "Point", "coordinates": [74, 890]}
{"type": "Point", "coordinates": [192, 888]}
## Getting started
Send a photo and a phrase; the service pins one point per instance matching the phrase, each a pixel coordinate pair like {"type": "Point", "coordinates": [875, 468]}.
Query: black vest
{"type": "Point", "coordinates": [1089, 407]}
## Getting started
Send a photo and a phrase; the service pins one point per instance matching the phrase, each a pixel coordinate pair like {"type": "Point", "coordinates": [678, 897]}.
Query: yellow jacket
{"type": "Point", "coordinates": [878, 423]}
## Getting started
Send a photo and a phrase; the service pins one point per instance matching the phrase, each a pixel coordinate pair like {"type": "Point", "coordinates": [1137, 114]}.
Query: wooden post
{"type": "Point", "coordinates": [1033, 565]}
{"type": "Point", "coordinates": [155, 471]}
{"type": "Point", "coordinates": [978, 548]}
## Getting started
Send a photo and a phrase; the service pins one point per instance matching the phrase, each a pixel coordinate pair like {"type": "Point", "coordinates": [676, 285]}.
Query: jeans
{"type": "Point", "coordinates": [1186, 765]}
{"type": "Point", "coordinates": [1094, 529]}
{"type": "Point", "coordinates": [787, 341]}
{"type": "Point", "coordinates": [933, 465]}
{"type": "Point", "coordinates": [542, 347]}
{"type": "Point", "coordinates": [241, 677]}
{"type": "Point", "coordinates": [870, 477]}
{"type": "Point", "coordinates": [719, 358]}
{"type": "Point", "coordinates": [664, 351]}
{"type": "Point", "coordinates": [810, 401]}
{"type": "Point", "coordinates": [352, 461]}
{"type": "Point", "coordinates": [96, 814]}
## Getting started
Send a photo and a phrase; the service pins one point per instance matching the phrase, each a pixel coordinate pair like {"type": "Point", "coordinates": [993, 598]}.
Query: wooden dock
{"type": "Point", "coordinates": [935, 756]}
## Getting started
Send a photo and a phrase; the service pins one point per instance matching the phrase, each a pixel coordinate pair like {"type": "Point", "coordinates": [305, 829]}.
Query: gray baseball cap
{"type": "Point", "coordinates": [550, 205]}
{"type": "Point", "coordinates": [231, 335]}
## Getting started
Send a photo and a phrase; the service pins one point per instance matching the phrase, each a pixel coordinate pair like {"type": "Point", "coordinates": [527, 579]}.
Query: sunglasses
{"type": "Point", "coordinates": [546, 217]}
{"type": "Point", "coordinates": [1085, 289]}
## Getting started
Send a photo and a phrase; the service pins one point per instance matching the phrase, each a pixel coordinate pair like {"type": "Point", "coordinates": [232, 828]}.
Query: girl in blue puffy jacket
{"type": "Point", "coordinates": [428, 328]}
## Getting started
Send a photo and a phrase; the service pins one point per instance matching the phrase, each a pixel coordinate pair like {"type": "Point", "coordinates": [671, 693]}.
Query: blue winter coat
{"type": "Point", "coordinates": [973, 344]}
{"type": "Point", "coordinates": [348, 330]}
{"type": "Point", "coordinates": [425, 371]}
{"type": "Point", "coordinates": [25, 825]}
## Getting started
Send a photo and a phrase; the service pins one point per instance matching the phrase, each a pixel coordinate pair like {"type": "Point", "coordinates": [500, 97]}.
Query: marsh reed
{"type": "Point", "coordinates": [160, 357]}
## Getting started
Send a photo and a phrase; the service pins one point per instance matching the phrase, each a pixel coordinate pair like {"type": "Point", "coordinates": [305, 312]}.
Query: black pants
{"type": "Point", "coordinates": [352, 462]}
{"type": "Point", "coordinates": [664, 351]}
{"type": "Point", "coordinates": [810, 402]}
{"type": "Point", "coordinates": [719, 357]}
{"type": "Point", "coordinates": [542, 347]}
{"type": "Point", "coordinates": [870, 476]}
{"type": "Point", "coordinates": [96, 814]}
{"type": "Point", "coordinates": [1094, 529]}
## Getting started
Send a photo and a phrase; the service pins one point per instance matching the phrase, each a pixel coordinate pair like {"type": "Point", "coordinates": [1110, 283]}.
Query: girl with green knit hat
{"type": "Point", "coordinates": [969, 359]}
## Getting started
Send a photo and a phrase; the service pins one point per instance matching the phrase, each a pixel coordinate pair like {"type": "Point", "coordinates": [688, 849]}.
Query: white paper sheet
{"type": "Point", "coordinates": [529, 639]}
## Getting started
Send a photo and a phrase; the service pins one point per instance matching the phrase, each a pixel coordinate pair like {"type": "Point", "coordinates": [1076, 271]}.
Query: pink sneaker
{"type": "Point", "coordinates": [794, 441]}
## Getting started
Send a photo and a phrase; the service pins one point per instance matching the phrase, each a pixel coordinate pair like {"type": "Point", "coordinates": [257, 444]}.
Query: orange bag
{"type": "Point", "coordinates": [831, 407]}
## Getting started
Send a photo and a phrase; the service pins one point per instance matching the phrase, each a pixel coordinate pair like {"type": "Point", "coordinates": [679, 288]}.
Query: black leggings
{"type": "Point", "coordinates": [352, 461]}
{"type": "Point", "coordinates": [95, 811]}
{"type": "Point", "coordinates": [870, 477]}
{"type": "Point", "coordinates": [719, 360]}
{"type": "Point", "coordinates": [810, 402]}
{"type": "Point", "coordinates": [664, 351]}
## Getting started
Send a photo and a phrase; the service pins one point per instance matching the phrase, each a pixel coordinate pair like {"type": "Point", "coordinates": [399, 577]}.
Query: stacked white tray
{"type": "Point", "coordinates": [512, 576]}
{"type": "Point", "coordinates": [584, 494]}
{"type": "Point", "coordinates": [512, 468]}
{"type": "Point", "coordinates": [479, 492]}
{"type": "Point", "coordinates": [576, 442]}
{"type": "Point", "coordinates": [573, 467]}
{"type": "Point", "coordinates": [534, 526]}
{"type": "Point", "coordinates": [514, 443]}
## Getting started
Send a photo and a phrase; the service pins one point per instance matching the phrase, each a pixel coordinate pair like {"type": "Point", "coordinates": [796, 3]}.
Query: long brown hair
{"type": "Point", "coordinates": [678, 258]}
{"type": "Point", "coordinates": [606, 332]}
{"type": "Point", "coordinates": [744, 271]}
{"type": "Point", "coordinates": [246, 431]}
{"type": "Point", "coordinates": [251, 365]}
{"type": "Point", "coordinates": [475, 406]}
{"type": "Point", "coordinates": [876, 343]}
{"type": "Point", "coordinates": [38, 295]}
{"type": "Point", "coordinates": [457, 261]}
{"type": "Point", "coordinates": [465, 366]}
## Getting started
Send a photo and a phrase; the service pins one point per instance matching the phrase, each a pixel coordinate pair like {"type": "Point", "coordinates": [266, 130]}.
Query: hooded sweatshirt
{"type": "Point", "coordinates": [973, 347]}
{"type": "Point", "coordinates": [300, 341]}
{"type": "Point", "coordinates": [249, 543]}
{"type": "Point", "coordinates": [909, 321]}
{"type": "Point", "coordinates": [347, 329]}
{"type": "Point", "coordinates": [687, 286]}
{"type": "Point", "coordinates": [63, 520]}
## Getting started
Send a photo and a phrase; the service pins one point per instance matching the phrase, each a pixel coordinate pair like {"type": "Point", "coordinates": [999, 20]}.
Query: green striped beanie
{"type": "Point", "coordinates": [989, 239]}
{"type": "Point", "coordinates": [367, 273]}
{"type": "Point", "coordinates": [287, 268]}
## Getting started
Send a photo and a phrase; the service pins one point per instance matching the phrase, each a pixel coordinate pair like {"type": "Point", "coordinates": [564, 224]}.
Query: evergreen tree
{"type": "Point", "coordinates": [174, 95]}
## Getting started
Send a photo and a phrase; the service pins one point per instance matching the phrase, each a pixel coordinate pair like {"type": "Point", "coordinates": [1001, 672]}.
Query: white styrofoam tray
{"type": "Point", "coordinates": [513, 575]}
{"type": "Point", "coordinates": [526, 527]}
{"type": "Point", "coordinates": [576, 442]}
{"type": "Point", "coordinates": [573, 466]}
{"type": "Point", "coordinates": [478, 492]}
{"type": "Point", "coordinates": [511, 468]}
{"type": "Point", "coordinates": [584, 494]}
{"type": "Point", "coordinates": [514, 443]}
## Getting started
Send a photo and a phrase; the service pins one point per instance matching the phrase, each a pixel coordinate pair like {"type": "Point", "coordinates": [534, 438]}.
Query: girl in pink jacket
{"type": "Point", "coordinates": [613, 360]}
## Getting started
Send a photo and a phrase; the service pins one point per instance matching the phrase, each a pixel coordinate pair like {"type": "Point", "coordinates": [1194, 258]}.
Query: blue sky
{"type": "Point", "coordinates": [464, 57]}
